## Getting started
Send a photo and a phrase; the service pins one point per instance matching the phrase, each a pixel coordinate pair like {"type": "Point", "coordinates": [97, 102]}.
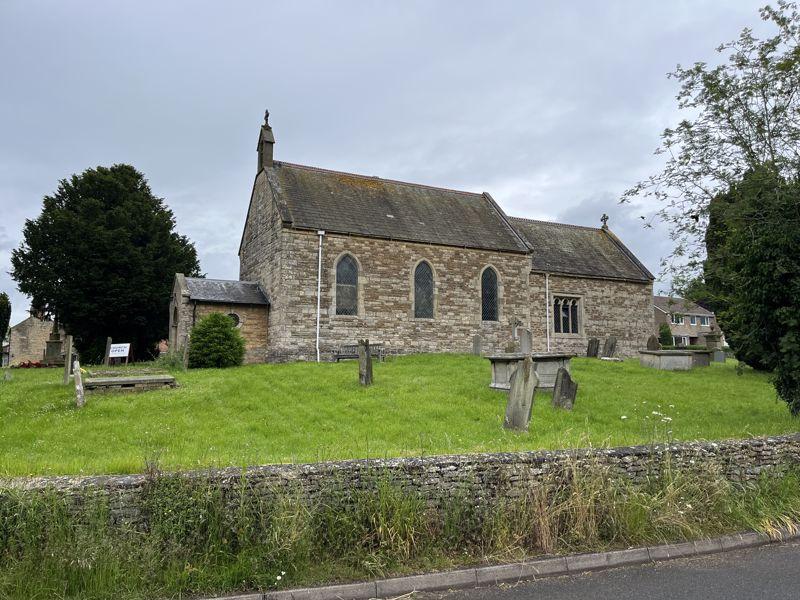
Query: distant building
{"type": "Point", "coordinates": [327, 258]}
{"type": "Point", "coordinates": [688, 322]}
{"type": "Point", "coordinates": [27, 340]}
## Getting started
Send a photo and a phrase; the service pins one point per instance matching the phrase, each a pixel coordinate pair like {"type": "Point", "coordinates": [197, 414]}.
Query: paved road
{"type": "Point", "coordinates": [766, 573]}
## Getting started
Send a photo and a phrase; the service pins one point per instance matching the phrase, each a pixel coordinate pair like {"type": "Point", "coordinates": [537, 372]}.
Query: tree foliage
{"type": "Point", "coordinates": [664, 335]}
{"type": "Point", "coordinates": [101, 258]}
{"type": "Point", "coordinates": [743, 113]}
{"type": "Point", "coordinates": [215, 342]}
{"type": "Point", "coordinates": [752, 274]}
{"type": "Point", "coordinates": [5, 315]}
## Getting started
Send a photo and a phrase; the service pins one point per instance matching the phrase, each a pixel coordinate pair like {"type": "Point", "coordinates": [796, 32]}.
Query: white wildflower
{"type": "Point", "coordinates": [623, 417]}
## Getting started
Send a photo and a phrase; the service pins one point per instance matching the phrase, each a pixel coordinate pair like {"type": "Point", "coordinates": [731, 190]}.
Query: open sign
{"type": "Point", "coordinates": [119, 350]}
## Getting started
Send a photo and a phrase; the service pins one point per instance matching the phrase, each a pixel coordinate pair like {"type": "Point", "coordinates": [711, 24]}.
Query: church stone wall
{"type": "Point", "coordinates": [619, 308]}
{"type": "Point", "coordinates": [252, 326]}
{"type": "Point", "coordinates": [385, 297]}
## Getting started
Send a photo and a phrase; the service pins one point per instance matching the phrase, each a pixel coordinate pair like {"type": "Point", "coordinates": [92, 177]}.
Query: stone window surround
{"type": "Point", "coordinates": [581, 315]}
{"type": "Point", "coordinates": [499, 295]}
{"type": "Point", "coordinates": [238, 319]}
{"type": "Point", "coordinates": [435, 291]}
{"type": "Point", "coordinates": [359, 291]}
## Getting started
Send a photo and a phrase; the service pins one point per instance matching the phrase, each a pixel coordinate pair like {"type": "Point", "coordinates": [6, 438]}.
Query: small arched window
{"type": "Point", "coordinates": [423, 291]}
{"type": "Point", "coordinates": [489, 304]}
{"type": "Point", "coordinates": [347, 286]}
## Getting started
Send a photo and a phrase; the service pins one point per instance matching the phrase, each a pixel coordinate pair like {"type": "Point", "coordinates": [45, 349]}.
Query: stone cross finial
{"type": "Point", "coordinates": [604, 220]}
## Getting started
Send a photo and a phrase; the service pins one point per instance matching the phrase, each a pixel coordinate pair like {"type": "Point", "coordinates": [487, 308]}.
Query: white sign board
{"type": "Point", "coordinates": [119, 350]}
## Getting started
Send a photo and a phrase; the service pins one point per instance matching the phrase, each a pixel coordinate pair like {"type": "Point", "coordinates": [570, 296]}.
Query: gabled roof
{"type": "Point", "coordinates": [583, 251]}
{"type": "Point", "coordinates": [225, 291]}
{"type": "Point", "coordinates": [680, 306]}
{"type": "Point", "coordinates": [318, 199]}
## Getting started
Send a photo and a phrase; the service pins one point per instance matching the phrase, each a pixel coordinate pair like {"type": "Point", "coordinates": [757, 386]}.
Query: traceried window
{"type": "Point", "coordinates": [423, 291]}
{"type": "Point", "coordinates": [676, 319]}
{"type": "Point", "coordinates": [235, 318]}
{"type": "Point", "coordinates": [489, 304]}
{"type": "Point", "coordinates": [347, 286]}
{"type": "Point", "coordinates": [566, 315]}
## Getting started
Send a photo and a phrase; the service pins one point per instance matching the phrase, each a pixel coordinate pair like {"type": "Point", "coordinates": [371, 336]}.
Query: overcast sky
{"type": "Point", "coordinates": [554, 108]}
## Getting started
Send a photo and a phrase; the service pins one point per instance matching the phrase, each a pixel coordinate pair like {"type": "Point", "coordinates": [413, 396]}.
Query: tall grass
{"type": "Point", "coordinates": [203, 539]}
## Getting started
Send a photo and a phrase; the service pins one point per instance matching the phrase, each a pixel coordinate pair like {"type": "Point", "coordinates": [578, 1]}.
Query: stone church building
{"type": "Point", "coordinates": [327, 258]}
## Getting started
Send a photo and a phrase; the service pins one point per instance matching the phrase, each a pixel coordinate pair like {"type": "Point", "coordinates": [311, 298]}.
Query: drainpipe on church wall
{"type": "Point", "coordinates": [321, 234]}
{"type": "Point", "coordinates": [547, 307]}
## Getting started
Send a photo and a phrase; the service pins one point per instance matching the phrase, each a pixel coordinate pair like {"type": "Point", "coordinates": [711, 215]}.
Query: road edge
{"type": "Point", "coordinates": [531, 570]}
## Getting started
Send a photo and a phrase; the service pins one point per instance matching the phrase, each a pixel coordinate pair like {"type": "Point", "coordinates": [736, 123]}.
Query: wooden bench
{"type": "Point", "coordinates": [346, 351]}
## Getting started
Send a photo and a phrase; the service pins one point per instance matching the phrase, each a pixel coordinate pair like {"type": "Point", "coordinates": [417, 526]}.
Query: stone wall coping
{"type": "Point", "coordinates": [289, 471]}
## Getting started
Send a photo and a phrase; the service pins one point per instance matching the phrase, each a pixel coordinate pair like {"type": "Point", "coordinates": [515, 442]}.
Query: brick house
{"type": "Point", "coordinates": [688, 322]}
{"type": "Point", "coordinates": [339, 256]}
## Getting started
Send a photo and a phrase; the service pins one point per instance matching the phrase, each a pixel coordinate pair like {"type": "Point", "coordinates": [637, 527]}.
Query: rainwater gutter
{"type": "Point", "coordinates": [547, 306]}
{"type": "Point", "coordinates": [321, 235]}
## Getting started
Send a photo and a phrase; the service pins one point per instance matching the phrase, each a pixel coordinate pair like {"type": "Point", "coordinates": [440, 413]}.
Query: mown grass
{"type": "Point", "coordinates": [425, 404]}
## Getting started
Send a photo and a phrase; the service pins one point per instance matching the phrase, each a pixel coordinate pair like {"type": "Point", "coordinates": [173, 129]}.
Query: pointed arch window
{"type": "Point", "coordinates": [489, 304]}
{"type": "Point", "coordinates": [347, 286]}
{"type": "Point", "coordinates": [423, 291]}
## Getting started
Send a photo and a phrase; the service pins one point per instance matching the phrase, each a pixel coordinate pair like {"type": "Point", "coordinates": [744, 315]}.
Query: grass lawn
{"type": "Point", "coordinates": [303, 412]}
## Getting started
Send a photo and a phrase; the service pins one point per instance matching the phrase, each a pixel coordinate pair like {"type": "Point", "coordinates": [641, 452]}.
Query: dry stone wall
{"type": "Point", "coordinates": [440, 478]}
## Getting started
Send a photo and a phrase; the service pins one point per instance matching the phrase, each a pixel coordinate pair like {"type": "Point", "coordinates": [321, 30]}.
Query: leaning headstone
{"type": "Point", "coordinates": [593, 348]}
{"type": "Point", "coordinates": [565, 390]}
{"type": "Point", "coordinates": [79, 398]}
{"type": "Point", "coordinates": [653, 343]}
{"type": "Point", "coordinates": [67, 359]}
{"type": "Point", "coordinates": [609, 347]}
{"type": "Point", "coordinates": [107, 356]}
{"type": "Point", "coordinates": [520, 396]}
{"type": "Point", "coordinates": [364, 363]}
{"type": "Point", "coordinates": [525, 341]}
{"type": "Point", "coordinates": [476, 345]}
{"type": "Point", "coordinates": [7, 375]}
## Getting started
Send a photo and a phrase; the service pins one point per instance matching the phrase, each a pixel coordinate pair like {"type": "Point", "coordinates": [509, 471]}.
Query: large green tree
{"type": "Point", "coordinates": [752, 274]}
{"type": "Point", "coordinates": [741, 114]}
{"type": "Point", "coordinates": [5, 315]}
{"type": "Point", "coordinates": [729, 184]}
{"type": "Point", "coordinates": [101, 257]}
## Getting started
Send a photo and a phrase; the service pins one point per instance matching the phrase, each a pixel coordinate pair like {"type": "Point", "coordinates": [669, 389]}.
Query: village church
{"type": "Point", "coordinates": [327, 258]}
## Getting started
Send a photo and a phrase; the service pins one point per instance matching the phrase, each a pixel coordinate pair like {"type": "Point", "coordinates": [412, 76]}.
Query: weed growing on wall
{"type": "Point", "coordinates": [204, 538]}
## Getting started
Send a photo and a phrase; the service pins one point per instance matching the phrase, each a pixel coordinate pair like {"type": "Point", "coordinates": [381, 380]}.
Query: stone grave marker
{"type": "Point", "coordinates": [593, 348]}
{"type": "Point", "coordinates": [477, 343]}
{"type": "Point", "coordinates": [525, 341]}
{"type": "Point", "coordinates": [565, 390]}
{"type": "Point", "coordinates": [79, 397]}
{"type": "Point", "coordinates": [364, 363]}
{"type": "Point", "coordinates": [7, 375]}
{"type": "Point", "coordinates": [653, 343]}
{"type": "Point", "coordinates": [609, 347]}
{"type": "Point", "coordinates": [67, 359]}
{"type": "Point", "coordinates": [520, 396]}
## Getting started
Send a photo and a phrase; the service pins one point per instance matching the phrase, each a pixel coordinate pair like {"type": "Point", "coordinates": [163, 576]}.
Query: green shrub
{"type": "Point", "coordinates": [215, 342]}
{"type": "Point", "coordinates": [664, 335]}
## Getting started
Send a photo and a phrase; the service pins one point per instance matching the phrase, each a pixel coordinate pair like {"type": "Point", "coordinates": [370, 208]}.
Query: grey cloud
{"type": "Point", "coordinates": [544, 105]}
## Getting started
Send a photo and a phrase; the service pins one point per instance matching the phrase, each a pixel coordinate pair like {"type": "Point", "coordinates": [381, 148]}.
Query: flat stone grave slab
{"type": "Point", "coordinates": [667, 360]}
{"type": "Point", "coordinates": [133, 383]}
{"type": "Point", "coordinates": [545, 365]}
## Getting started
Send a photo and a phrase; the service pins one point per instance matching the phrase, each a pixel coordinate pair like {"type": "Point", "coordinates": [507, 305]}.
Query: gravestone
{"type": "Point", "coordinates": [520, 396]}
{"type": "Point", "coordinates": [79, 398]}
{"type": "Point", "coordinates": [7, 376]}
{"type": "Point", "coordinates": [364, 363]}
{"type": "Point", "coordinates": [593, 348]}
{"type": "Point", "coordinates": [67, 359]}
{"type": "Point", "coordinates": [609, 347]}
{"type": "Point", "coordinates": [525, 341]}
{"type": "Point", "coordinates": [476, 345]}
{"type": "Point", "coordinates": [565, 390]}
{"type": "Point", "coordinates": [106, 357]}
{"type": "Point", "coordinates": [653, 343]}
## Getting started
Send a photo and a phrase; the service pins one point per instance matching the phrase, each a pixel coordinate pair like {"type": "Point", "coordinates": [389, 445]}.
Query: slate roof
{"type": "Point", "coordinates": [319, 199]}
{"type": "Point", "coordinates": [225, 291]}
{"type": "Point", "coordinates": [680, 306]}
{"type": "Point", "coordinates": [576, 250]}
